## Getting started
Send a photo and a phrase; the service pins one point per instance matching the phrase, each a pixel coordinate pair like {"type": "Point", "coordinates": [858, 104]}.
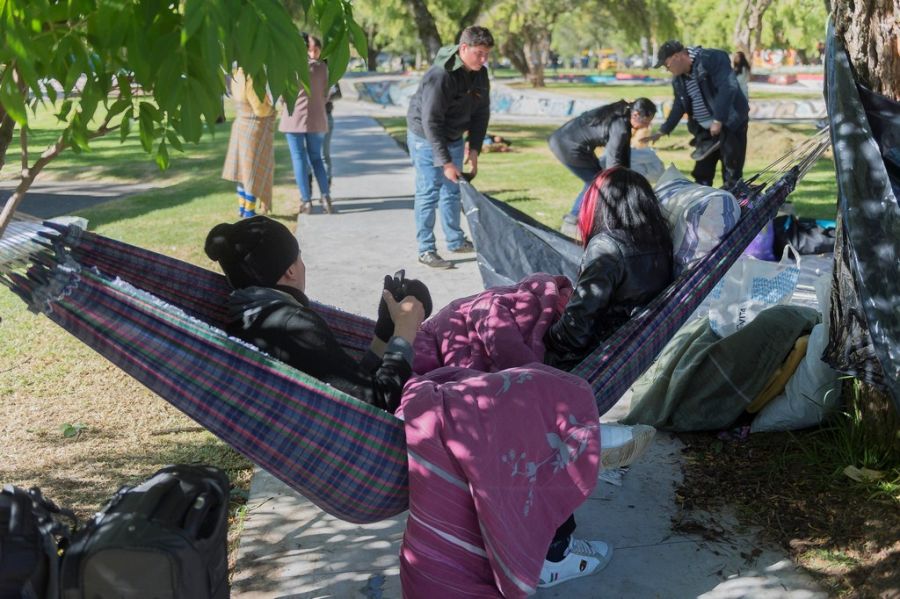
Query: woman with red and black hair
{"type": "Point", "coordinates": [627, 261]}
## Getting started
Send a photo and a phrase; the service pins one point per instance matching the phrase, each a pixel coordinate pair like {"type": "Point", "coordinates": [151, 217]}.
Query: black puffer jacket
{"type": "Point", "coordinates": [450, 100]}
{"type": "Point", "coordinates": [617, 279]}
{"type": "Point", "coordinates": [280, 322]}
{"type": "Point", "coordinates": [574, 143]}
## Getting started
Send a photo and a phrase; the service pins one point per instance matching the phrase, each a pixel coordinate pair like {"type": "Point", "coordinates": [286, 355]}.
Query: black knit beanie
{"type": "Point", "coordinates": [252, 252]}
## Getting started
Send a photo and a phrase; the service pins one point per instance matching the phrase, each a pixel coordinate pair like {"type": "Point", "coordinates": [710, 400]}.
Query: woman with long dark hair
{"type": "Point", "coordinates": [741, 67]}
{"type": "Point", "coordinates": [627, 261]}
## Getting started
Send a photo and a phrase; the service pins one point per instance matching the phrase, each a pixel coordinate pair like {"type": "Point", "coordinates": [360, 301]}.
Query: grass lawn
{"type": "Point", "coordinates": [533, 180]}
{"type": "Point", "coordinates": [49, 380]}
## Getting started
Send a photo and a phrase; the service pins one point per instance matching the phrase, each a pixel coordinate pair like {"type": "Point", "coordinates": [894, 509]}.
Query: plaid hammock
{"type": "Point", "coordinates": [159, 320]}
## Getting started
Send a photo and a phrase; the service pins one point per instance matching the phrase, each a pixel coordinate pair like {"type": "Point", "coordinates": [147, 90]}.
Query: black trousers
{"type": "Point", "coordinates": [561, 539]}
{"type": "Point", "coordinates": [731, 153]}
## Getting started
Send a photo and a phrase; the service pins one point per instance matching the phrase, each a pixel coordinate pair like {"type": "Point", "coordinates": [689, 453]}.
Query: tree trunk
{"type": "Point", "coordinates": [469, 17]}
{"type": "Point", "coordinates": [748, 26]}
{"type": "Point", "coordinates": [428, 33]}
{"type": "Point", "coordinates": [537, 47]}
{"type": "Point", "coordinates": [7, 126]}
{"type": "Point", "coordinates": [871, 34]}
{"type": "Point", "coordinates": [372, 49]}
{"type": "Point", "coordinates": [513, 48]}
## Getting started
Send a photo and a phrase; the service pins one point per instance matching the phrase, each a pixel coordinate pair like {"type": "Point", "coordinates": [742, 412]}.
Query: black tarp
{"type": "Point", "coordinates": [512, 245]}
{"type": "Point", "coordinates": [865, 312]}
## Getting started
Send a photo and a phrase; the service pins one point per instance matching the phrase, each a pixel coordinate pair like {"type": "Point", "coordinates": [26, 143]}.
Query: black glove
{"type": "Point", "coordinates": [400, 287]}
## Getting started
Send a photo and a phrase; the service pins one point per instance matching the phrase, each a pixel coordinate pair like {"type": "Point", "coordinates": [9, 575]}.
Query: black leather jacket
{"type": "Point", "coordinates": [280, 322]}
{"type": "Point", "coordinates": [617, 279]}
{"type": "Point", "coordinates": [574, 143]}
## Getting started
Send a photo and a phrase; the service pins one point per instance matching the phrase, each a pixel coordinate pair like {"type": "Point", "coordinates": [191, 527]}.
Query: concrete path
{"type": "Point", "coordinates": [47, 199]}
{"type": "Point", "coordinates": [290, 548]}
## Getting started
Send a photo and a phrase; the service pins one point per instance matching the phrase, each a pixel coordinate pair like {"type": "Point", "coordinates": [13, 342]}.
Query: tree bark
{"type": "Point", "coordinates": [371, 49]}
{"type": "Point", "coordinates": [469, 17]}
{"type": "Point", "coordinates": [428, 33]}
{"type": "Point", "coordinates": [871, 34]}
{"type": "Point", "coordinates": [29, 174]}
{"type": "Point", "coordinates": [748, 26]}
{"type": "Point", "coordinates": [536, 48]}
{"type": "Point", "coordinates": [7, 126]}
{"type": "Point", "coordinates": [513, 49]}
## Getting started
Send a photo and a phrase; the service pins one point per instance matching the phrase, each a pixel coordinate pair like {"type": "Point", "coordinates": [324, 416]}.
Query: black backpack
{"type": "Point", "coordinates": [164, 538]}
{"type": "Point", "coordinates": [32, 534]}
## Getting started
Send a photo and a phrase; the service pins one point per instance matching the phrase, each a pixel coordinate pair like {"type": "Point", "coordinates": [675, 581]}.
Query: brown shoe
{"type": "Point", "coordinates": [305, 208]}
{"type": "Point", "coordinates": [326, 205]}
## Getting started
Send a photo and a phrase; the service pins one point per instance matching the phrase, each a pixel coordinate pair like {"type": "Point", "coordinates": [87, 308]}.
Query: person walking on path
{"type": "Point", "coordinates": [305, 130]}
{"type": "Point", "coordinates": [452, 98]}
{"type": "Point", "coordinates": [250, 160]}
{"type": "Point", "coordinates": [574, 144]}
{"type": "Point", "coordinates": [706, 88]}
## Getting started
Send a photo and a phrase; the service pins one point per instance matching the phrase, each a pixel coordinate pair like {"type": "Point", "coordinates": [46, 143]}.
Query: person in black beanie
{"type": "Point", "coordinates": [268, 308]}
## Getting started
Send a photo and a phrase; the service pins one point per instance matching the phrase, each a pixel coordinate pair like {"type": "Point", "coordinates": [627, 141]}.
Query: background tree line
{"type": "Point", "coordinates": [528, 31]}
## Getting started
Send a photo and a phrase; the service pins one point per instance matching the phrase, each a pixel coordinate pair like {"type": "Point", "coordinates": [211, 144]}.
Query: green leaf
{"type": "Point", "coordinates": [338, 61]}
{"type": "Point", "coordinates": [359, 37]}
{"type": "Point", "coordinates": [125, 125]}
{"type": "Point", "coordinates": [330, 12]}
{"type": "Point", "coordinates": [162, 156]}
{"type": "Point", "coordinates": [173, 140]}
{"type": "Point", "coordinates": [145, 128]}
{"type": "Point", "coordinates": [11, 99]}
{"type": "Point", "coordinates": [194, 17]}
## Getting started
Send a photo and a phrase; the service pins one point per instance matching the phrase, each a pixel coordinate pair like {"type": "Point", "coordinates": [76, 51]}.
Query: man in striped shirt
{"type": "Point", "coordinates": [706, 89]}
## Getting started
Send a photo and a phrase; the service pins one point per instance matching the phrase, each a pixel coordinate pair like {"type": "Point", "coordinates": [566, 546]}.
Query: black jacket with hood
{"type": "Point", "coordinates": [617, 279]}
{"type": "Point", "coordinates": [450, 100]}
{"type": "Point", "coordinates": [280, 322]}
{"type": "Point", "coordinates": [574, 143]}
{"type": "Point", "coordinates": [718, 84]}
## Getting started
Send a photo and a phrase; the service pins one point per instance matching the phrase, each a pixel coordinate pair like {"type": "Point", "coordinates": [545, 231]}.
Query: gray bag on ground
{"type": "Point", "coordinates": [165, 538]}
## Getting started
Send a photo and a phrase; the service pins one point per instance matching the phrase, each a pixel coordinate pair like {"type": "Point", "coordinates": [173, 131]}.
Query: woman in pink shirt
{"type": "Point", "coordinates": [305, 130]}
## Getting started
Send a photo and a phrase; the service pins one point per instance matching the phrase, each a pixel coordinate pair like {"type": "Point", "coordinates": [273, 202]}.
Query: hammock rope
{"type": "Point", "coordinates": [159, 320]}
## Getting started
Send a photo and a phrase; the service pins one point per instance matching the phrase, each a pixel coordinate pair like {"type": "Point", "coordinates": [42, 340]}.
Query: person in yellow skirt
{"type": "Point", "coordinates": [250, 161]}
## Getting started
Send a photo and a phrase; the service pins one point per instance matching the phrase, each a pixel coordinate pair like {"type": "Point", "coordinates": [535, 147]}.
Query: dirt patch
{"type": "Point", "coordinates": [844, 533]}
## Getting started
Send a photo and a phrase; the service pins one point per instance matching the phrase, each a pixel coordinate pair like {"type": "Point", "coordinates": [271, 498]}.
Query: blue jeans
{"type": "Point", "coordinates": [435, 192]}
{"type": "Point", "coordinates": [306, 149]}
{"type": "Point", "coordinates": [326, 146]}
{"type": "Point", "coordinates": [587, 175]}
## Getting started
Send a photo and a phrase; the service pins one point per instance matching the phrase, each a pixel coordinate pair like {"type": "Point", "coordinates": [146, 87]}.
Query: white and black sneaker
{"type": "Point", "coordinates": [582, 558]}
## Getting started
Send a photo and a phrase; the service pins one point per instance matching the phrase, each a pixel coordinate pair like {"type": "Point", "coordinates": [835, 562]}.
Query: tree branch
{"type": "Point", "coordinates": [29, 174]}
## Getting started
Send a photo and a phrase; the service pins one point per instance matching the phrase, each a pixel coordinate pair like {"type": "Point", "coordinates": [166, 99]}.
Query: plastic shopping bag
{"type": "Point", "coordinates": [749, 287]}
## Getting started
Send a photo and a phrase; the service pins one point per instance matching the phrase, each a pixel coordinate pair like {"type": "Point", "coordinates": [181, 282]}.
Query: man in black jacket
{"type": "Point", "coordinates": [453, 97]}
{"type": "Point", "coordinates": [574, 144]}
{"type": "Point", "coordinates": [268, 308]}
{"type": "Point", "coordinates": [707, 90]}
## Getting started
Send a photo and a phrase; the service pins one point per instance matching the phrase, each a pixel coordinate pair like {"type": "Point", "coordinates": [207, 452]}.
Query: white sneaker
{"type": "Point", "coordinates": [621, 445]}
{"type": "Point", "coordinates": [583, 558]}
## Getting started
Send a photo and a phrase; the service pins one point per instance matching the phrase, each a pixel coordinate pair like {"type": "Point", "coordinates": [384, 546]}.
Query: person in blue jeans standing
{"type": "Point", "coordinates": [305, 130]}
{"type": "Point", "coordinates": [452, 98]}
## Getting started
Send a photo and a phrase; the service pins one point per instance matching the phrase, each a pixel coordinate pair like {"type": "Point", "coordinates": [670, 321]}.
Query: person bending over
{"type": "Point", "coordinates": [268, 308]}
{"type": "Point", "coordinates": [574, 144]}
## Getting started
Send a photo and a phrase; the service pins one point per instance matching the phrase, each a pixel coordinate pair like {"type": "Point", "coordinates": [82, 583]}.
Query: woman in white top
{"type": "Point", "coordinates": [741, 67]}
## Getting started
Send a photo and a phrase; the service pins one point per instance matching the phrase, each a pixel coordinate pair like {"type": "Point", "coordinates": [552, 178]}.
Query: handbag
{"type": "Point", "coordinates": [749, 287]}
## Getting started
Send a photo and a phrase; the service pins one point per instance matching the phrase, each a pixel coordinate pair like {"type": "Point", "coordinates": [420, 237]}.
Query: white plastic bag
{"type": "Point", "coordinates": [749, 287]}
{"type": "Point", "coordinates": [809, 396]}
